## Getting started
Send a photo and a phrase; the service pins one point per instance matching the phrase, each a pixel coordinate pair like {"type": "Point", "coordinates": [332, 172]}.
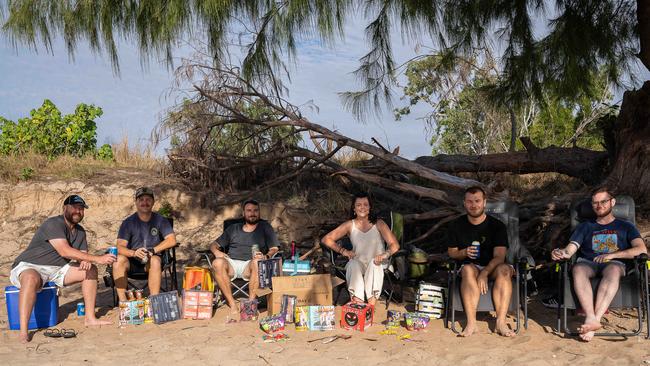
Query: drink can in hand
{"type": "Point", "coordinates": [254, 250]}
{"type": "Point", "coordinates": [477, 247]}
{"type": "Point", "coordinates": [112, 250]}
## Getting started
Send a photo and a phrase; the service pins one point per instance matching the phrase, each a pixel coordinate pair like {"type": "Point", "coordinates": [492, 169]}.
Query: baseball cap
{"type": "Point", "coordinates": [74, 200]}
{"type": "Point", "coordinates": [143, 191]}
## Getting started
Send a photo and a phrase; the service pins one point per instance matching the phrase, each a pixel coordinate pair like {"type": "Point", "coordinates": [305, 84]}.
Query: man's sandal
{"type": "Point", "coordinates": [52, 333]}
{"type": "Point", "coordinates": [68, 333]}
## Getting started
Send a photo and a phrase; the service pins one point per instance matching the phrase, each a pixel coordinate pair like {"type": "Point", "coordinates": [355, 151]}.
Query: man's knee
{"type": "Point", "coordinates": [220, 265]}
{"type": "Point", "coordinates": [469, 271]}
{"type": "Point", "coordinates": [155, 263]}
{"type": "Point", "coordinates": [613, 272]}
{"type": "Point", "coordinates": [30, 279]}
{"type": "Point", "coordinates": [582, 271]}
{"type": "Point", "coordinates": [503, 271]}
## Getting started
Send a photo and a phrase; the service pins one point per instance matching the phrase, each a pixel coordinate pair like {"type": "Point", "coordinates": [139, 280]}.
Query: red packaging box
{"type": "Point", "coordinates": [205, 298]}
{"type": "Point", "coordinates": [204, 312]}
{"type": "Point", "coordinates": [357, 316]}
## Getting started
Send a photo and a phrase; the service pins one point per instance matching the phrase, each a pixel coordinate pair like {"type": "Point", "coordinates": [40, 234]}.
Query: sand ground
{"type": "Point", "coordinates": [213, 342]}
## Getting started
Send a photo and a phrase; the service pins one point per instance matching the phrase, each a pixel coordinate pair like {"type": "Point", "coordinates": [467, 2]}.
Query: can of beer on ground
{"type": "Point", "coordinates": [112, 250]}
{"type": "Point", "coordinates": [81, 309]}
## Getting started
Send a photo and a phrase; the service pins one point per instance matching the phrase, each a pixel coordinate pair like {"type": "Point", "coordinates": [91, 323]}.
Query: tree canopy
{"type": "Point", "coordinates": [541, 44]}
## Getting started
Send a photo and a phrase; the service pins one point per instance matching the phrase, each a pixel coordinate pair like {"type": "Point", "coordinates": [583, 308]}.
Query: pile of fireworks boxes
{"type": "Point", "coordinates": [430, 300]}
{"type": "Point", "coordinates": [157, 309]}
{"type": "Point", "coordinates": [197, 304]}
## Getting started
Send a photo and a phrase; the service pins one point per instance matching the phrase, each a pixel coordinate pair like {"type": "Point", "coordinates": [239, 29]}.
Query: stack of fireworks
{"type": "Point", "coordinates": [197, 304]}
{"type": "Point", "coordinates": [165, 307]}
{"type": "Point", "coordinates": [430, 300]}
{"type": "Point", "coordinates": [273, 323]}
{"type": "Point", "coordinates": [319, 317]}
{"type": "Point", "coordinates": [136, 310]}
{"type": "Point", "coordinates": [357, 316]}
{"type": "Point", "coordinates": [248, 310]}
{"type": "Point", "coordinates": [288, 308]}
{"type": "Point", "coordinates": [267, 269]}
{"type": "Point", "coordinates": [416, 321]}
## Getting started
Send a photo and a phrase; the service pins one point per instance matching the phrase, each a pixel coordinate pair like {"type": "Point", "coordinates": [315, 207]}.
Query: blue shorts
{"type": "Point", "coordinates": [599, 267]}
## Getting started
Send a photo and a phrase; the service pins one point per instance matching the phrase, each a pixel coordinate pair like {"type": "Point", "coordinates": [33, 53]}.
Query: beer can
{"type": "Point", "coordinates": [138, 294]}
{"type": "Point", "coordinates": [112, 250]}
{"type": "Point", "coordinates": [81, 309]}
{"type": "Point", "coordinates": [254, 249]}
{"type": "Point", "coordinates": [130, 295]}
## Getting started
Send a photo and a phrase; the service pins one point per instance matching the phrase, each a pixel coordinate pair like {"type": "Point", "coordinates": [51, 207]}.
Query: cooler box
{"type": "Point", "coordinates": [44, 313]}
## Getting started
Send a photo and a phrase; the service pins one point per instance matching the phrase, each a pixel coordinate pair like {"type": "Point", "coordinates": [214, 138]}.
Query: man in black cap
{"type": "Point", "coordinates": [57, 241]}
{"type": "Point", "coordinates": [140, 240]}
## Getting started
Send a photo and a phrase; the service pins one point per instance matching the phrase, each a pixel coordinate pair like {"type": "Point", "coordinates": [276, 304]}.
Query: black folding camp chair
{"type": "Point", "coordinates": [633, 287]}
{"type": "Point", "coordinates": [517, 255]}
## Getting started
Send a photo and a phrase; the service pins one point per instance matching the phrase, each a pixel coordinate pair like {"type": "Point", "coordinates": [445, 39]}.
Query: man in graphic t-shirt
{"type": "Point", "coordinates": [140, 240]}
{"type": "Point", "coordinates": [601, 244]}
{"type": "Point", "coordinates": [488, 264]}
{"type": "Point", "coordinates": [233, 251]}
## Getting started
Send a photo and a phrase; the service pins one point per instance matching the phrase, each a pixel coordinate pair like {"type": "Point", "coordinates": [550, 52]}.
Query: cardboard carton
{"type": "Point", "coordinates": [357, 316]}
{"type": "Point", "coordinates": [308, 290]}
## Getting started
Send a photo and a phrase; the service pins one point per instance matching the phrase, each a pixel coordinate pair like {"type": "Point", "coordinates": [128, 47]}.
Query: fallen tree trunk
{"type": "Point", "coordinates": [586, 165]}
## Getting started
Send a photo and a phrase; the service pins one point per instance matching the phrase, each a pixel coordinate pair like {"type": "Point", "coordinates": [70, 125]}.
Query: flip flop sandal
{"type": "Point", "coordinates": [68, 333]}
{"type": "Point", "coordinates": [52, 333]}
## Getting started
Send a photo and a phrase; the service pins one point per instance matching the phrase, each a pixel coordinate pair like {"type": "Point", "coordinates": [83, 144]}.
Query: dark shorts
{"type": "Point", "coordinates": [135, 266]}
{"type": "Point", "coordinates": [599, 267]}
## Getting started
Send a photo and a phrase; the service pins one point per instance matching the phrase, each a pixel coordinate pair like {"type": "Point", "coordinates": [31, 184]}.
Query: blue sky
{"type": "Point", "coordinates": [134, 101]}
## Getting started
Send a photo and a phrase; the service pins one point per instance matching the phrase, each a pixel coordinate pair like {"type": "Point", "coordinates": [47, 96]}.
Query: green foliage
{"type": "Point", "coordinates": [166, 209]}
{"type": "Point", "coordinates": [105, 153]}
{"type": "Point", "coordinates": [26, 173]}
{"type": "Point", "coordinates": [49, 133]}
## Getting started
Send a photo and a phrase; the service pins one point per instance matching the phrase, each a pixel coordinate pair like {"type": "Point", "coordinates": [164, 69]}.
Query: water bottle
{"type": "Point", "coordinates": [477, 246]}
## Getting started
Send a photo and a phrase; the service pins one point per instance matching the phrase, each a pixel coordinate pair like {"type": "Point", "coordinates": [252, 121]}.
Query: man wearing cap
{"type": "Point", "coordinates": [233, 251]}
{"type": "Point", "coordinates": [56, 242]}
{"type": "Point", "coordinates": [140, 240]}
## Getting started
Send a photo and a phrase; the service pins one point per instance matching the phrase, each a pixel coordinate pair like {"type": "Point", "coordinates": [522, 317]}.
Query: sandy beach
{"type": "Point", "coordinates": [213, 342]}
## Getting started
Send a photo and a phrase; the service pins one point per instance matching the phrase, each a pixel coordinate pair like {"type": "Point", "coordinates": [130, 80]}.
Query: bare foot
{"type": "Point", "coordinates": [24, 338]}
{"type": "Point", "coordinates": [96, 322]}
{"type": "Point", "coordinates": [469, 330]}
{"type": "Point", "coordinates": [372, 301]}
{"type": "Point", "coordinates": [503, 330]}
{"type": "Point", "coordinates": [589, 327]}
{"type": "Point", "coordinates": [587, 336]}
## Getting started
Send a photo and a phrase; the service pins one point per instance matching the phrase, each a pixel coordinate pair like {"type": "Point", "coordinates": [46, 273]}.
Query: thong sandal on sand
{"type": "Point", "coordinates": [68, 333]}
{"type": "Point", "coordinates": [52, 333]}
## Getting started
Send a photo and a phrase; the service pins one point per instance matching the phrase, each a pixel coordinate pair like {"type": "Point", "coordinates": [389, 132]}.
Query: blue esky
{"type": "Point", "coordinates": [134, 102]}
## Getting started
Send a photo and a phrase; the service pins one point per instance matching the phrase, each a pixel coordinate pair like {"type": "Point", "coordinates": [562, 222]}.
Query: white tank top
{"type": "Point", "coordinates": [366, 245]}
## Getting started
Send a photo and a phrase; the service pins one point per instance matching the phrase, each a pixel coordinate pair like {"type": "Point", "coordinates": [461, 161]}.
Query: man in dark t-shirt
{"type": "Point", "coordinates": [466, 235]}
{"type": "Point", "coordinates": [57, 242]}
{"type": "Point", "coordinates": [233, 251]}
{"type": "Point", "coordinates": [140, 240]}
{"type": "Point", "coordinates": [601, 244]}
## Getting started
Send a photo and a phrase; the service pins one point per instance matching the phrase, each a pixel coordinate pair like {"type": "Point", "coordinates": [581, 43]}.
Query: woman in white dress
{"type": "Point", "coordinates": [364, 272]}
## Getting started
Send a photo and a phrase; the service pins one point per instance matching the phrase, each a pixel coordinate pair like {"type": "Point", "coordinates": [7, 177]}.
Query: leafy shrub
{"type": "Point", "coordinates": [105, 153]}
{"type": "Point", "coordinates": [26, 173]}
{"type": "Point", "coordinates": [49, 133]}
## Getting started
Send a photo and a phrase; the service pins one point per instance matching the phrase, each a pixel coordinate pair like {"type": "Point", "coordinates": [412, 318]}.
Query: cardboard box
{"type": "Point", "coordinates": [308, 290]}
{"type": "Point", "coordinates": [165, 307]}
{"type": "Point", "coordinates": [315, 318]}
{"type": "Point", "coordinates": [197, 304]}
{"type": "Point", "coordinates": [357, 316]}
{"type": "Point", "coordinates": [131, 312]}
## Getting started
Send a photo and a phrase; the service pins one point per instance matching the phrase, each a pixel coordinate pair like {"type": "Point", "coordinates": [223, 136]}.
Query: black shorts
{"type": "Point", "coordinates": [136, 267]}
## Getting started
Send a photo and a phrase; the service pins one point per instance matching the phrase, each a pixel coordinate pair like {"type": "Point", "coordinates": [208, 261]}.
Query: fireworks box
{"type": "Point", "coordinates": [165, 307]}
{"type": "Point", "coordinates": [44, 312]}
{"type": "Point", "coordinates": [357, 316]}
{"type": "Point", "coordinates": [131, 312]}
{"type": "Point", "coordinates": [315, 318]}
{"type": "Point", "coordinates": [267, 269]}
{"type": "Point", "coordinates": [296, 266]}
{"type": "Point", "coordinates": [197, 304]}
{"type": "Point", "coordinates": [308, 290]}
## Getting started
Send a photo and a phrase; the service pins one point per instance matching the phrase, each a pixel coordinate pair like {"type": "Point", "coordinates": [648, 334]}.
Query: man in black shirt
{"type": "Point", "coordinates": [233, 251]}
{"type": "Point", "coordinates": [480, 265]}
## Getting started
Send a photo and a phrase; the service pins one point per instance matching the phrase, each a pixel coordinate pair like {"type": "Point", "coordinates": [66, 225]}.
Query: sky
{"type": "Point", "coordinates": [134, 102]}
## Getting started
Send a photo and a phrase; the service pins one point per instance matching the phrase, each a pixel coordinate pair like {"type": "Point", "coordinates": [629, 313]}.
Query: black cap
{"type": "Point", "coordinates": [75, 200]}
{"type": "Point", "coordinates": [142, 191]}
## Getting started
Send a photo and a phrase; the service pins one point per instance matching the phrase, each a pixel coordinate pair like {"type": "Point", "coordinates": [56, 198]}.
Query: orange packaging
{"type": "Point", "coordinates": [191, 298]}
{"type": "Point", "coordinates": [204, 312]}
{"type": "Point", "coordinates": [190, 311]}
{"type": "Point", "coordinates": [205, 298]}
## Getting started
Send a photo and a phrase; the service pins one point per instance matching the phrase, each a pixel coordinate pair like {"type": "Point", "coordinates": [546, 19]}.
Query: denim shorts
{"type": "Point", "coordinates": [599, 267]}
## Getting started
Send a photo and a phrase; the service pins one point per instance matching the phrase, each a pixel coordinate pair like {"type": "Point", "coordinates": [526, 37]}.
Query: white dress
{"type": "Point", "coordinates": [364, 277]}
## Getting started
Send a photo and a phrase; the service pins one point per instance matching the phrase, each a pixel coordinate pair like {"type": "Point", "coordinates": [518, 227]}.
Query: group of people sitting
{"type": "Point", "coordinates": [58, 252]}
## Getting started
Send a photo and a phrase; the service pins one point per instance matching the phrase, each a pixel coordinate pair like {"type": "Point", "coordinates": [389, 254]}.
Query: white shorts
{"type": "Point", "coordinates": [54, 274]}
{"type": "Point", "coordinates": [239, 267]}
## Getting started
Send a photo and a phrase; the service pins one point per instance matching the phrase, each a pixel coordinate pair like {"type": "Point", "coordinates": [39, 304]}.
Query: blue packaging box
{"type": "Point", "coordinates": [299, 266]}
{"type": "Point", "coordinates": [44, 313]}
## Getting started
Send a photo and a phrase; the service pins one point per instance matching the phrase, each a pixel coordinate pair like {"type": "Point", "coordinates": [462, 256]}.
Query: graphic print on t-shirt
{"type": "Point", "coordinates": [604, 241]}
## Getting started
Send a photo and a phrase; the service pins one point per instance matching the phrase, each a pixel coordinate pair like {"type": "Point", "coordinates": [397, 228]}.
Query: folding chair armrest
{"type": "Point", "coordinates": [399, 253]}
{"type": "Point", "coordinates": [278, 254]}
{"type": "Point", "coordinates": [641, 258]}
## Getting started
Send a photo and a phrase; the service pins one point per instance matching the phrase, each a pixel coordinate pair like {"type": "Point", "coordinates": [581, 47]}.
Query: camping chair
{"type": "Point", "coordinates": [394, 273]}
{"type": "Point", "coordinates": [517, 255]}
{"type": "Point", "coordinates": [633, 288]}
{"type": "Point", "coordinates": [239, 285]}
{"type": "Point", "coordinates": [169, 281]}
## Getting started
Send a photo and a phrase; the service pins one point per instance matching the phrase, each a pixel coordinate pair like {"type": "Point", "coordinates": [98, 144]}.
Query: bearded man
{"type": "Point", "coordinates": [466, 235]}
{"type": "Point", "coordinates": [233, 252]}
{"type": "Point", "coordinates": [601, 244]}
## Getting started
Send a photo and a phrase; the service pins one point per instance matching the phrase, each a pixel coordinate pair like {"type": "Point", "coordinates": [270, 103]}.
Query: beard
{"type": "Point", "coordinates": [475, 214]}
{"type": "Point", "coordinates": [604, 213]}
{"type": "Point", "coordinates": [73, 218]}
{"type": "Point", "coordinates": [251, 220]}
